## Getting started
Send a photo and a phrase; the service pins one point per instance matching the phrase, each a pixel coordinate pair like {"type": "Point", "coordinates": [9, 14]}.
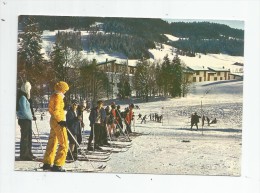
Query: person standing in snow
{"type": "Point", "coordinates": [119, 119]}
{"type": "Point", "coordinates": [97, 120]}
{"type": "Point", "coordinates": [195, 120]}
{"type": "Point", "coordinates": [53, 160]}
{"type": "Point", "coordinates": [74, 121]}
{"type": "Point", "coordinates": [25, 116]}
{"type": "Point", "coordinates": [129, 117]}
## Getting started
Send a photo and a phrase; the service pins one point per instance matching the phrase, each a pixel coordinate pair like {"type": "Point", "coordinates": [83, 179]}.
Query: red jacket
{"type": "Point", "coordinates": [129, 117]}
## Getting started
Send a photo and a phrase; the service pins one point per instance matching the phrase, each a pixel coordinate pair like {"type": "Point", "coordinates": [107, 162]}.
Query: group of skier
{"type": "Point", "coordinates": [105, 123]}
{"type": "Point", "coordinates": [66, 130]}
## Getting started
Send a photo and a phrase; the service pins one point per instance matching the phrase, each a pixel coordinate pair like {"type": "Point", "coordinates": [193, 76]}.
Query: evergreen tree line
{"type": "Point", "coordinates": [166, 78]}
{"type": "Point", "coordinates": [205, 37]}
{"type": "Point", "coordinates": [132, 46]}
{"type": "Point", "coordinates": [204, 30]}
{"type": "Point", "coordinates": [232, 47]}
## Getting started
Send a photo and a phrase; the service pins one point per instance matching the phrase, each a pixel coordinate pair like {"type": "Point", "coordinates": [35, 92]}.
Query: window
{"type": "Point", "coordinates": [218, 73]}
{"type": "Point", "coordinates": [200, 79]}
{"type": "Point", "coordinates": [197, 73]}
{"type": "Point", "coordinates": [215, 78]}
{"type": "Point", "coordinates": [194, 79]}
{"type": "Point", "coordinates": [221, 78]}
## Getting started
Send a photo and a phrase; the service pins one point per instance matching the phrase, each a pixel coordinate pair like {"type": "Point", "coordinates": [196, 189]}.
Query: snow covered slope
{"type": "Point", "coordinates": [209, 60]}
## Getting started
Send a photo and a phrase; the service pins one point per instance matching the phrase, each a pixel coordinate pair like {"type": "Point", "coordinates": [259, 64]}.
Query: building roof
{"type": "Point", "coordinates": [214, 69]}
{"type": "Point", "coordinates": [237, 74]}
{"type": "Point", "coordinates": [238, 64]}
{"type": "Point", "coordinates": [197, 68]}
{"type": "Point", "coordinates": [106, 62]}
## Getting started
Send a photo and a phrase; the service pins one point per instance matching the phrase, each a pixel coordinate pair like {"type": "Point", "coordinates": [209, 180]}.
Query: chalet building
{"type": "Point", "coordinates": [114, 71]}
{"type": "Point", "coordinates": [114, 67]}
{"type": "Point", "coordinates": [218, 74]}
{"type": "Point", "coordinates": [201, 74]}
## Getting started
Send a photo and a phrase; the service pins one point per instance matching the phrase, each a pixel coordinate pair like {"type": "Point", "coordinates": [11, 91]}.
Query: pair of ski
{"type": "Point", "coordinates": [100, 168]}
{"type": "Point", "coordinates": [93, 159]}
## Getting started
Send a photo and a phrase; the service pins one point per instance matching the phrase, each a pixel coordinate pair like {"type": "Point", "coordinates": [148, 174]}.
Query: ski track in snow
{"type": "Point", "coordinates": [171, 147]}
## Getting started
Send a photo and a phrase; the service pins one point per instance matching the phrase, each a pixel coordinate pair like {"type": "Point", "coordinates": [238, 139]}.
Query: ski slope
{"type": "Point", "coordinates": [171, 147]}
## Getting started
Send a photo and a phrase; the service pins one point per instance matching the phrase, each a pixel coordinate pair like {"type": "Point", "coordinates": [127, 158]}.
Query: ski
{"type": "Point", "coordinates": [117, 150]}
{"type": "Point", "coordinates": [118, 145]}
{"type": "Point", "coordinates": [37, 159]}
{"type": "Point", "coordinates": [95, 159]}
{"type": "Point", "coordinates": [98, 169]}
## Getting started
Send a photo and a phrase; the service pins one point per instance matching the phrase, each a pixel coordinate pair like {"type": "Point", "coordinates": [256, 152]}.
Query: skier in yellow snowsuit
{"type": "Point", "coordinates": [55, 160]}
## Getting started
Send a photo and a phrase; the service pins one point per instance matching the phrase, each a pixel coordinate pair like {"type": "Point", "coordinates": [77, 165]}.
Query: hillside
{"type": "Point", "coordinates": [133, 37]}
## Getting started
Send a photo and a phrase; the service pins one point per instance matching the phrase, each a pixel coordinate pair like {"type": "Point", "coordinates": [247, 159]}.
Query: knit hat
{"type": "Point", "coordinates": [61, 86]}
{"type": "Point", "coordinates": [75, 102]}
{"type": "Point", "coordinates": [26, 88]}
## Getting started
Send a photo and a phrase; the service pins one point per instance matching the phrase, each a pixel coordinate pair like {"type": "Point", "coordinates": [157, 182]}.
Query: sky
{"type": "Point", "coordinates": [232, 23]}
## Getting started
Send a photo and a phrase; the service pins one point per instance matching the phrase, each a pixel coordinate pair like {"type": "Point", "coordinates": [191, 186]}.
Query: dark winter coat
{"type": "Point", "coordinates": [93, 116]}
{"type": "Point", "coordinates": [195, 118]}
{"type": "Point", "coordinates": [74, 125]}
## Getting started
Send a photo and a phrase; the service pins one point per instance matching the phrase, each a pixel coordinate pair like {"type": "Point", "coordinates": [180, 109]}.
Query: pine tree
{"type": "Point", "coordinates": [124, 88]}
{"type": "Point", "coordinates": [29, 52]}
{"type": "Point", "coordinates": [30, 63]}
{"type": "Point", "coordinates": [145, 79]}
{"type": "Point", "coordinates": [177, 77]}
{"type": "Point", "coordinates": [58, 60]}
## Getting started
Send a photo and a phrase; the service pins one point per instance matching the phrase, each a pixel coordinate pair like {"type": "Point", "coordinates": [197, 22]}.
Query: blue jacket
{"type": "Point", "coordinates": [93, 116]}
{"type": "Point", "coordinates": [24, 110]}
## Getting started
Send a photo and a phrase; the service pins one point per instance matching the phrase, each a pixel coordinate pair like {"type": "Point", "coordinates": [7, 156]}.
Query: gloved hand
{"type": "Point", "coordinates": [34, 118]}
{"type": "Point", "coordinates": [82, 125]}
{"type": "Point", "coordinates": [62, 123]}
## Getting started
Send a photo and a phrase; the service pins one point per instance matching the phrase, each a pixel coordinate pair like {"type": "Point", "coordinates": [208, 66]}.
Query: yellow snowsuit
{"type": "Point", "coordinates": [58, 134]}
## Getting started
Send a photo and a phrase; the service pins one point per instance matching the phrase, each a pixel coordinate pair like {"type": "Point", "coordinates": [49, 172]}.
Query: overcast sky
{"type": "Point", "coordinates": [232, 23]}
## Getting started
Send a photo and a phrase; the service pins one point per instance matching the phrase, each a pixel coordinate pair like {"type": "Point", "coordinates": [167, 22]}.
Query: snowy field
{"type": "Point", "coordinates": [171, 147]}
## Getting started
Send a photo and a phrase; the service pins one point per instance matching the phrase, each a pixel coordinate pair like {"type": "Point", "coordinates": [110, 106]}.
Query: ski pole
{"type": "Point", "coordinates": [39, 139]}
{"type": "Point", "coordinates": [82, 151]}
{"type": "Point", "coordinates": [94, 137]}
{"type": "Point", "coordinates": [121, 128]}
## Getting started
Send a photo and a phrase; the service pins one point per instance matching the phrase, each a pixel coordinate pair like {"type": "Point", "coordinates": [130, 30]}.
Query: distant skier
{"type": "Point", "coordinates": [160, 118]}
{"type": "Point", "coordinates": [208, 121]}
{"type": "Point", "coordinates": [194, 120]}
{"type": "Point", "coordinates": [143, 119]}
{"type": "Point", "coordinates": [139, 116]}
{"type": "Point", "coordinates": [214, 121]}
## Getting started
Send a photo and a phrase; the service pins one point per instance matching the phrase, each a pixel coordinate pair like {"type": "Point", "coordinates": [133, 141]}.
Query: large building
{"type": "Point", "coordinates": [201, 74]}
{"type": "Point", "coordinates": [114, 71]}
